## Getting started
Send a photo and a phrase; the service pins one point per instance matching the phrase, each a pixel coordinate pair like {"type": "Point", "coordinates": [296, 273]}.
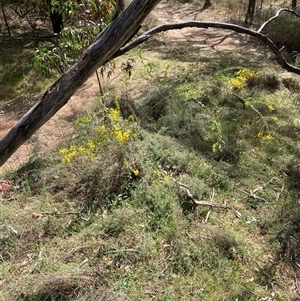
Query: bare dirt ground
{"type": "Point", "coordinates": [217, 39]}
{"type": "Point", "coordinates": [52, 131]}
{"type": "Point", "coordinates": [59, 125]}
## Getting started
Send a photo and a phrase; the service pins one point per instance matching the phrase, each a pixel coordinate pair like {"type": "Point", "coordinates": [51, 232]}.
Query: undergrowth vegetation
{"type": "Point", "coordinates": [188, 192]}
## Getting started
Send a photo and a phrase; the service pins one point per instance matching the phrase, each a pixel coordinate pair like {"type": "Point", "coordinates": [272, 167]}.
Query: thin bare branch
{"type": "Point", "coordinates": [201, 203]}
{"type": "Point", "coordinates": [120, 251]}
{"type": "Point", "coordinates": [292, 11]}
{"type": "Point", "coordinates": [199, 24]}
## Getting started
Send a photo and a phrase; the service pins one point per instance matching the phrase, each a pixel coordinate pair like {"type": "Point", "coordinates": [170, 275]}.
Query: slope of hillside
{"type": "Point", "coordinates": [181, 182]}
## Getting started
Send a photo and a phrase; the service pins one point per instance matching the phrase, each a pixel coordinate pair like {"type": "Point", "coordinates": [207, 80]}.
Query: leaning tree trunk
{"type": "Point", "coordinates": [103, 48]}
{"type": "Point", "coordinates": [250, 12]}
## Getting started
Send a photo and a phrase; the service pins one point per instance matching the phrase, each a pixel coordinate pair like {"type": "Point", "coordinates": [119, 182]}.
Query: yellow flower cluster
{"type": "Point", "coordinates": [119, 135]}
{"type": "Point", "coordinates": [68, 154]}
{"type": "Point", "coordinates": [114, 131]}
{"type": "Point", "coordinates": [114, 114]}
{"type": "Point", "coordinates": [267, 137]}
{"type": "Point", "coordinates": [91, 145]}
{"type": "Point", "coordinates": [241, 77]}
{"type": "Point", "coordinates": [271, 108]}
{"type": "Point", "coordinates": [101, 129]}
{"type": "Point", "coordinates": [216, 147]}
{"type": "Point", "coordinates": [136, 172]}
{"type": "Point", "coordinates": [73, 151]}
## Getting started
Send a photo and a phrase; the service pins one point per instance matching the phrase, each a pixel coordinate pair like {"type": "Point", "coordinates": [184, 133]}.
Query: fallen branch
{"type": "Point", "coordinates": [55, 213]}
{"type": "Point", "coordinates": [252, 194]}
{"type": "Point", "coordinates": [184, 189]}
{"type": "Point", "coordinates": [211, 200]}
{"type": "Point", "coordinates": [278, 194]}
{"type": "Point", "coordinates": [41, 214]}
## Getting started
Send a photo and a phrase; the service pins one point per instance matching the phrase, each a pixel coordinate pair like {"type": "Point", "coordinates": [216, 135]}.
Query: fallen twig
{"type": "Point", "coordinates": [56, 213]}
{"type": "Point", "coordinates": [209, 211]}
{"type": "Point", "coordinates": [120, 251]}
{"type": "Point", "coordinates": [184, 188]}
{"type": "Point", "coordinates": [41, 214]}
{"type": "Point", "coordinates": [252, 194]}
{"type": "Point", "coordinates": [279, 193]}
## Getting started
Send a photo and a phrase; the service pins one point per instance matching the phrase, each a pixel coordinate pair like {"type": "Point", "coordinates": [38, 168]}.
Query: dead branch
{"type": "Point", "coordinates": [184, 189]}
{"type": "Point", "coordinates": [56, 213]}
{"type": "Point", "coordinates": [278, 194]}
{"type": "Point", "coordinates": [211, 200]}
{"type": "Point", "coordinates": [252, 194]}
{"type": "Point", "coordinates": [199, 24]}
{"type": "Point", "coordinates": [292, 11]}
{"type": "Point", "coordinates": [202, 203]}
{"type": "Point", "coordinates": [120, 251]}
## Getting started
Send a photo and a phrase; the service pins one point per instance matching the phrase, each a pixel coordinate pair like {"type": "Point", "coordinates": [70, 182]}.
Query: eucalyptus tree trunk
{"type": "Point", "coordinates": [250, 12]}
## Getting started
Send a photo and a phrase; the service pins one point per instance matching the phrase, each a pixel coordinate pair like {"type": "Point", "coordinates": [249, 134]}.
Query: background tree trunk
{"type": "Point", "coordinates": [55, 17]}
{"type": "Point", "coordinates": [250, 12]}
{"type": "Point", "coordinates": [5, 19]}
{"type": "Point", "coordinates": [57, 21]}
{"type": "Point", "coordinates": [103, 48]}
{"type": "Point", "coordinates": [294, 3]}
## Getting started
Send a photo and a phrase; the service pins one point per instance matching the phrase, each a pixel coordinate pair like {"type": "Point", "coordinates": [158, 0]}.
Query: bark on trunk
{"type": "Point", "coordinates": [250, 12]}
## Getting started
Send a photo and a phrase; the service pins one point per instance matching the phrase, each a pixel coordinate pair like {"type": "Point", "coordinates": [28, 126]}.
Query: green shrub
{"type": "Point", "coordinates": [283, 30]}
